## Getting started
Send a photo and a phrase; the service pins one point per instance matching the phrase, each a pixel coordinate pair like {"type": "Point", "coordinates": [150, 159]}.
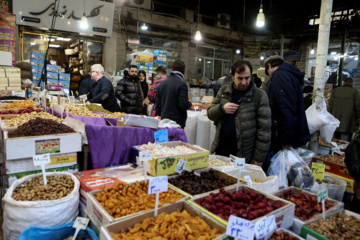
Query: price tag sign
{"type": "Point", "coordinates": [158, 184]}
{"type": "Point", "coordinates": [318, 169]}
{"type": "Point", "coordinates": [248, 181]}
{"type": "Point", "coordinates": [240, 163]}
{"type": "Point", "coordinates": [322, 195]}
{"type": "Point", "coordinates": [83, 97]}
{"type": "Point", "coordinates": [161, 136]}
{"type": "Point", "coordinates": [145, 156]}
{"type": "Point", "coordinates": [265, 227]}
{"type": "Point", "coordinates": [42, 160]}
{"type": "Point", "coordinates": [196, 108]}
{"type": "Point", "coordinates": [240, 228]}
{"type": "Point", "coordinates": [80, 223]}
{"type": "Point", "coordinates": [181, 166]}
{"type": "Point", "coordinates": [66, 91]}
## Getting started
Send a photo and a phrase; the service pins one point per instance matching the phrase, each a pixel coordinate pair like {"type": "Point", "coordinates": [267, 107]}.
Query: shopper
{"type": "Point", "coordinates": [152, 95]}
{"type": "Point", "coordinates": [172, 98]}
{"type": "Point", "coordinates": [128, 91]}
{"type": "Point", "coordinates": [344, 105]}
{"type": "Point", "coordinates": [144, 88]}
{"type": "Point", "coordinates": [85, 85]}
{"type": "Point", "coordinates": [289, 124]}
{"type": "Point", "coordinates": [242, 117]}
{"type": "Point", "coordinates": [102, 91]}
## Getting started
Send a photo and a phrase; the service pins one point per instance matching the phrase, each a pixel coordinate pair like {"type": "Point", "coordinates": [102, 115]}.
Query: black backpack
{"type": "Point", "coordinates": [352, 156]}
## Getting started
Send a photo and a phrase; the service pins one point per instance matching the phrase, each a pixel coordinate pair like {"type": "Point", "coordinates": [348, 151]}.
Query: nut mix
{"type": "Point", "coordinates": [282, 235]}
{"type": "Point", "coordinates": [123, 199]}
{"type": "Point", "coordinates": [253, 180]}
{"type": "Point", "coordinates": [96, 108]}
{"type": "Point", "coordinates": [177, 225]}
{"type": "Point", "coordinates": [24, 118]}
{"type": "Point", "coordinates": [334, 159]}
{"type": "Point", "coordinates": [34, 190]}
{"type": "Point", "coordinates": [306, 205]}
{"type": "Point", "coordinates": [207, 181]}
{"type": "Point", "coordinates": [38, 127]}
{"type": "Point", "coordinates": [219, 163]}
{"type": "Point", "coordinates": [342, 227]}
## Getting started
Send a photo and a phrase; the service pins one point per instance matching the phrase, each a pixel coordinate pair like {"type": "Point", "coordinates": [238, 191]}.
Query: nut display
{"type": "Point", "coordinates": [123, 199]}
{"type": "Point", "coordinates": [282, 235]}
{"type": "Point", "coordinates": [340, 227]}
{"type": "Point", "coordinates": [219, 163]}
{"type": "Point", "coordinates": [96, 108]}
{"type": "Point", "coordinates": [326, 181]}
{"type": "Point", "coordinates": [243, 204]}
{"type": "Point", "coordinates": [306, 205]}
{"type": "Point", "coordinates": [193, 184]}
{"type": "Point", "coordinates": [34, 190]}
{"type": "Point", "coordinates": [177, 225]}
{"type": "Point", "coordinates": [334, 159]}
{"type": "Point", "coordinates": [24, 118]}
{"type": "Point", "coordinates": [39, 126]}
{"type": "Point", "coordinates": [20, 105]}
{"type": "Point", "coordinates": [117, 115]}
{"type": "Point", "coordinates": [81, 111]}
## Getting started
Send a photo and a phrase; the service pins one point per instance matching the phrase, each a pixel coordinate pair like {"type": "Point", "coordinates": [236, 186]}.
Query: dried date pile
{"type": "Point", "coordinates": [39, 126]}
{"type": "Point", "coordinates": [193, 184]}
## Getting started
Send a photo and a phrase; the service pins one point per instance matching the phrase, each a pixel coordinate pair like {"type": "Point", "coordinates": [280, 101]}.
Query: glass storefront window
{"type": "Point", "coordinates": [209, 68]}
{"type": "Point", "coordinates": [199, 66]}
{"type": "Point", "coordinates": [223, 54]}
{"type": "Point", "coordinates": [204, 52]}
{"type": "Point", "coordinates": [217, 69]}
{"type": "Point", "coordinates": [33, 43]}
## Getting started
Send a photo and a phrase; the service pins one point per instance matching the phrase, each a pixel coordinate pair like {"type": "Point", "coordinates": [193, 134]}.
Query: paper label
{"type": "Point", "coordinates": [81, 223]}
{"type": "Point", "coordinates": [240, 228]}
{"type": "Point", "coordinates": [322, 195]}
{"type": "Point", "coordinates": [41, 159]}
{"type": "Point", "coordinates": [196, 108]}
{"type": "Point", "coordinates": [318, 169]}
{"type": "Point", "coordinates": [145, 156]}
{"type": "Point", "coordinates": [239, 163]}
{"type": "Point", "coordinates": [181, 166]}
{"type": "Point", "coordinates": [248, 181]}
{"type": "Point", "coordinates": [158, 184]}
{"type": "Point", "coordinates": [161, 136]}
{"type": "Point", "coordinates": [83, 97]}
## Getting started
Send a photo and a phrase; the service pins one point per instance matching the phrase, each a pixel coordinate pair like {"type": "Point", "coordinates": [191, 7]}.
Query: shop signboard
{"type": "Point", "coordinates": [39, 13]}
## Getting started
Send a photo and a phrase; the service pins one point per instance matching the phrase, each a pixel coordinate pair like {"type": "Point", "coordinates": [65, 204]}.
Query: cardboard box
{"type": "Point", "coordinates": [143, 58]}
{"type": "Point", "coordinates": [296, 228]}
{"type": "Point", "coordinates": [52, 68]}
{"type": "Point", "coordinates": [131, 221]}
{"type": "Point", "coordinates": [7, 20]}
{"type": "Point", "coordinates": [14, 82]}
{"type": "Point", "coordinates": [30, 146]}
{"type": "Point", "coordinates": [65, 84]}
{"type": "Point", "coordinates": [7, 46]}
{"type": "Point", "coordinates": [27, 164]}
{"type": "Point", "coordinates": [36, 77]}
{"type": "Point", "coordinates": [162, 166]}
{"type": "Point", "coordinates": [100, 217]}
{"type": "Point", "coordinates": [2, 73]}
{"type": "Point", "coordinates": [308, 233]}
{"type": "Point", "coordinates": [64, 76]}
{"type": "Point", "coordinates": [218, 173]}
{"type": "Point", "coordinates": [37, 56]}
{"type": "Point", "coordinates": [333, 168]}
{"type": "Point", "coordinates": [160, 53]}
{"type": "Point", "coordinates": [325, 150]}
{"type": "Point", "coordinates": [12, 88]}
{"type": "Point", "coordinates": [8, 33]}
{"type": "Point", "coordinates": [37, 63]}
{"type": "Point", "coordinates": [158, 63]}
{"type": "Point", "coordinates": [4, 82]}
{"type": "Point", "coordinates": [52, 75]}
{"type": "Point", "coordinates": [37, 70]}
{"type": "Point", "coordinates": [52, 82]}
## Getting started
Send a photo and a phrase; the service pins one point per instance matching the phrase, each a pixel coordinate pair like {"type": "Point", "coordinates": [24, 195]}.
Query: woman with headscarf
{"type": "Point", "coordinates": [145, 88]}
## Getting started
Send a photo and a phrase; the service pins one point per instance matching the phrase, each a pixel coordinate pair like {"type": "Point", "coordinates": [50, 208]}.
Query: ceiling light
{"type": "Point", "coordinates": [262, 58]}
{"type": "Point", "coordinates": [260, 20]}
{"type": "Point", "coordinates": [52, 39]}
{"type": "Point", "coordinates": [333, 53]}
{"type": "Point", "coordinates": [54, 45]}
{"type": "Point", "coordinates": [83, 21]}
{"type": "Point", "coordinates": [208, 62]}
{"type": "Point", "coordinates": [356, 58]}
{"type": "Point", "coordinates": [198, 36]}
{"type": "Point", "coordinates": [63, 39]}
{"type": "Point", "coordinates": [144, 27]}
{"type": "Point", "coordinates": [237, 51]}
{"type": "Point", "coordinates": [200, 59]}
{"type": "Point", "coordinates": [335, 58]}
{"type": "Point", "coordinates": [312, 51]}
{"type": "Point", "coordinates": [32, 43]}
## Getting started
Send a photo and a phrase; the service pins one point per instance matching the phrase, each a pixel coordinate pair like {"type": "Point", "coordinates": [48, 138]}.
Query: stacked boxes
{"type": "Point", "coordinates": [147, 67]}
{"type": "Point", "coordinates": [8, 33]}
{"type": "Point", "coordinates": [10, 79]}
{"type": "Point", "coordinates": [52, 76]}
{"type": "Point", "coordinates": [160, 58]}
{"type": "Point", "coordinates": [64, 80]}
{"type": "Point", "coordinates": [37, 65]}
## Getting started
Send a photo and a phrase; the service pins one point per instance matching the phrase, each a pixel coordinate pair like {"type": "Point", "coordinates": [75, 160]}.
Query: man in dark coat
{"type": "Point", "coordinates": [172, 96]}
{"type": "Point", "coordinates": [102, 91]}
{"type": "Point", "coordinates": [242, 117]}
{"type": "Point", "coordinates": [128, 91]}
{"type": "Point", "coordinates": [289, 123]}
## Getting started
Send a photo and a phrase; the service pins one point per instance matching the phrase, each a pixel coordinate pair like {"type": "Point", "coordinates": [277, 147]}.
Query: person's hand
{"type": "Point", "coordinates": [256, 162]}
{"type": "Point", "coordinates": [283, 147]}
{"type": "Point", "coordinates": [230, 108]}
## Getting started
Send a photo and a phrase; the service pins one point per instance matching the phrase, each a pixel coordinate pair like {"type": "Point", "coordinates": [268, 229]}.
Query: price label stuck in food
{"type": "Point", "coordinates": [80, 224]}
{"type": "Point", "coordinates": [161, 136]}
{"type": "Point", "coordinates": [181, 166]}
{"type": "Point", "coordinates": [42, 160]}
{"type": "Point", "coordinates": [248, 180]}
{"type": "Point", "coordinates": [318, 169]}
{"type": "Point", "coordinates": [240, 228]}
{"type": "Point", "coordinates": [158, 184]}
{"type": "Point", "coordinates": [322, 195]}
{"type": "Point", "coordinates": [145, 156]}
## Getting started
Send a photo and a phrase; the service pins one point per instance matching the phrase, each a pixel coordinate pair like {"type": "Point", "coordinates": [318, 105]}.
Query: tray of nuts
{"type": "Point", "coordinates": [283, 234]}
{"type": "Point", "coordinates": [343, 225]}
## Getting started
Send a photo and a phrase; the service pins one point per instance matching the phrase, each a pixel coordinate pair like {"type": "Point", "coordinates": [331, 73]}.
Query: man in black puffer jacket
{"type": "Point", "coordinates": [129, 92]}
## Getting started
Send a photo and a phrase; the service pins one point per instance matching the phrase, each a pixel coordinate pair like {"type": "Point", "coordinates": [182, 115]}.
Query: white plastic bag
{"type": "Point", "coordinates": [327, 130]}
{"type": "Point", "coordinates": [335, 191]}
{"type": "Point", "coordinates": [314, 118]}
{"type": "Point", "coordinates": [19, 215]}
{"type": "Point", "coordinates": [290, 167]}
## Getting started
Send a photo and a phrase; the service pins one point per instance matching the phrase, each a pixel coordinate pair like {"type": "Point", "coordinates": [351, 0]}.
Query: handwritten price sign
{"type": "Point", "coordinates": [161, 136]}
{"type": "Point", "coordinates": [265, 227]}
{"type": "Point", "coordinates": [322, 195]}
{"type": "Point", "coordinates": [318, 169]}
{"type": "Point", "coordinates": [240, 163]}
{"type": "Point", "coordinates": [158, 184]}
{"type": "Point", "coordinates": [240, 228]}
{"type": "Point", "coordinates": [181, 166]}
{"type": "Point", "coordinates": [248, 181]}
{"type": "Point", "coordinates": [42, 159]}
{"type": "Point", "coordinates": [145, 156]}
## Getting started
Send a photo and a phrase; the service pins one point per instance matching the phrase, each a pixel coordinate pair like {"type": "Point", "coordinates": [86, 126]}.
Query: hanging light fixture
{"type": "Point", "coordinates": [260, 20]}
{"type": "Point", "coordinates": [144, 27]}
{"type": "Point", "coordinates": [83, 21]}
{"type": "Point", "coordinates": [237, 51]}
{"type": "Point", "coordinates": [312, 51]}
{"type": "Point", "coordinates": [198, 36]}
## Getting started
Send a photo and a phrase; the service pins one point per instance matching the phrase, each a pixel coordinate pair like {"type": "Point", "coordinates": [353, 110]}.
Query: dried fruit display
{"type": "Point", "coordinates": [282, 235]}
{"type": "Point", "coordinates": [340, 227]}
{"type": "Point", "coordinates": [177, 225]}
{"type": "Point", "coordinates": [21, 111]}
{"type": "Point", "coordinates": [40, 126]}
{"type": "Point", "coordinates": [34, 190]}
{"type": "Point", "coordinates": [253, 180]}
{"type": "Point", "coordinates": [123, 199]}
{"type": "Point", "coordinates": [206, 182]}
{"type": "Point", "coordinates": [334, 159]}
{"type": "Point", "coordinates": [244, 204]}
{"type": "Point", "coordinates": [20, 105]}
{"type": "Point", "coordinates": [306, 205]}
{"type": "Point", "coordinates": [219, 163]}
{"type": "Point", "coordinates": [24, 118]}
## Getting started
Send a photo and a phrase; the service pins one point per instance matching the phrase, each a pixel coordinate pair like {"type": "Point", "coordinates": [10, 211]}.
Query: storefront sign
{"type": "Point", "coordinates": [251, 50]}
{"type": "Point", "coordinates": [39, 13]}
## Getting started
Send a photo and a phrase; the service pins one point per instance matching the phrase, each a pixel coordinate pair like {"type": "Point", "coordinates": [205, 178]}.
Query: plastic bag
{"type": "Point", "coordinates": [167, 123]}
{"type": "Point", "coordinates": [327, 130]}
{"type": "Point", "coordinates": [352, 156]}
{"type": "Point", "coordinates": [335, 191]}
{"type": "Point", "coordinates": [314, 118]}
{"type": "Point", "coordinates": [56, 233]}
{"type": "Point", "coordinates": [306, 155]}
{"type": "Point", "coordinates": [288, 165]}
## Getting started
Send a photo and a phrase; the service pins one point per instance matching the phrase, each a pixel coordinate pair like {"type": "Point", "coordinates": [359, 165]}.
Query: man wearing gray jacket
{"type": "Point", "coordinates": [242, 117]}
